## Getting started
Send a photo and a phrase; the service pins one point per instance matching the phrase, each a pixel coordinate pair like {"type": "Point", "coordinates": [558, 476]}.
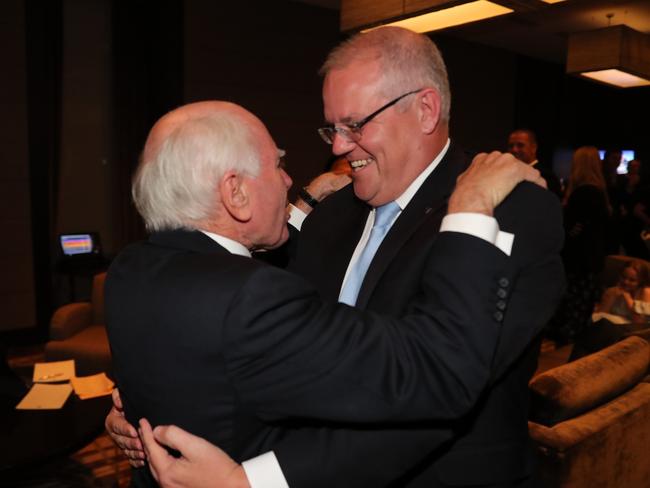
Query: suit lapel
{"type": "Point", "coordinates": [427, 207]}
{"type": "Point", "coordinates": [343, 238]}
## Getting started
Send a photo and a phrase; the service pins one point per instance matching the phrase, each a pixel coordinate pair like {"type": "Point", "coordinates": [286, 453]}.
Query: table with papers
{"type": "Point", "coordinates": [51, 419]}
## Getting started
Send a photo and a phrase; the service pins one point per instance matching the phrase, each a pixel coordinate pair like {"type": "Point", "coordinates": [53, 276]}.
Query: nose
{"type": "Point", "coordinates": [341, 145]}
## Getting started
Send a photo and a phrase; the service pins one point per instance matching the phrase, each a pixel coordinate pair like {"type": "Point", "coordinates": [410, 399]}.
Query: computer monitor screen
{"type": "Point", "coordinates": [74, 244]}
{"type": "Point", "coordinates": [627, 155]}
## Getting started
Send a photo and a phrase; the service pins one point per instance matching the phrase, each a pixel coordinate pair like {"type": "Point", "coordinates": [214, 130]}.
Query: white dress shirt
{"type": "Point", "coordinates": [233, 246]}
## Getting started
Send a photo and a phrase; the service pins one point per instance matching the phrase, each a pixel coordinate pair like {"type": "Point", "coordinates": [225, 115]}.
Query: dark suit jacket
{"type": "Point", "coordinates": [227, 347]}
{"type": "Point", "coordinates": [490, 444]}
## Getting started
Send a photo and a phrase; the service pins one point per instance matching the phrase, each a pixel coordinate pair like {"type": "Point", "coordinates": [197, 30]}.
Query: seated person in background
{"type": "Point", "coordinates": [630, 298]}
{"type": "Point", "coordinates": [623, 309]}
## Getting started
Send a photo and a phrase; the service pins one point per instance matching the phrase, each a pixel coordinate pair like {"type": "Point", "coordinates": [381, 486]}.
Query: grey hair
{"type": "Point", "coordinates": [176, 187]}
{"type": "Point", "coordinates": [408, 61]}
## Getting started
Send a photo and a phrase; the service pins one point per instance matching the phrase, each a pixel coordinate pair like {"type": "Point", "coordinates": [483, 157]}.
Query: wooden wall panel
{"type": "Point", "coordinates": [417, 5]}
{"type": "Point", "coordinates": [357, 13]}
{"type": "Point", "coordinates": [17, 299]}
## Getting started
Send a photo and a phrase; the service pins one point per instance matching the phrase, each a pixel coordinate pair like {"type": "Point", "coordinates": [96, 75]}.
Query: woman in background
{"type": "Point", "coordinates": [587, 214]}
{"type": "Point", "coordinates": [630, 299]}
{"type": "Point", "coordinates": [624, 309]}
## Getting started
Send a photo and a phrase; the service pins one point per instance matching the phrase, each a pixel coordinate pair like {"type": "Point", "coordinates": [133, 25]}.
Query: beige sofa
{"type": "Point", "coordinates": [77, 332]}
{"type": "Point", "coordinates": [590, 419]}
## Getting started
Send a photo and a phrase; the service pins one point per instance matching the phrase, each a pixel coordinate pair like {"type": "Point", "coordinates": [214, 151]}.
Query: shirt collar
{"type": "Point", "coordinates": [233, 247]}
{"type": "Point", "coordinates": [404, 199]}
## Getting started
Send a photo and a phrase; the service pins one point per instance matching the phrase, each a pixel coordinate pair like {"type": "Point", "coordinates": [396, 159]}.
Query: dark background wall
{"type": "Point", "coordinates": [17, 294]}
{"type": "Point", "coordinates": [78, 105]}
{"type": "Point", "coordinates": [268, 62]}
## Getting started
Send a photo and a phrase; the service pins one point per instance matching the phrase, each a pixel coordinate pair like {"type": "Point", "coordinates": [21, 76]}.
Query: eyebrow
{"type": "Point", "coordinates": [344, 121]}
{"type": "Point", "coordinates": [349, 120]}
{"type": "Point", "coordinates": [281, 162]}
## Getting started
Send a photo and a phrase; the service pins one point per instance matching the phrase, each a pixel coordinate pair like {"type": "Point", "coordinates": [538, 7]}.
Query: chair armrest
{"type": "Point", "coordinates": [567, 434]}
{"type": "Point", "coordinates": [70, 319]}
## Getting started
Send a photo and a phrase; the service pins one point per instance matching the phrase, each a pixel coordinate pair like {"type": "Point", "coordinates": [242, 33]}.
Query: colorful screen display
{"type": "Point", "coordinates": [73, 244]}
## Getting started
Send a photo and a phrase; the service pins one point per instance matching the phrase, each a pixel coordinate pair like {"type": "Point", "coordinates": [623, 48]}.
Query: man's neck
{"type": "Point", "coordinates": [404, 199]}
{"type": "Point", "coordinates": [430, 149]}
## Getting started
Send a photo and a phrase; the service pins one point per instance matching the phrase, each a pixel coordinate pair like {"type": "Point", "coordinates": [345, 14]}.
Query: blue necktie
{"type": "Point", "coordinates": [384, 217]}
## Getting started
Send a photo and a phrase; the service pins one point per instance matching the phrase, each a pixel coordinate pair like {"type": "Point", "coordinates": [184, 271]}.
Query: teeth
{"type": "Point", "coordinates": [360, 163]}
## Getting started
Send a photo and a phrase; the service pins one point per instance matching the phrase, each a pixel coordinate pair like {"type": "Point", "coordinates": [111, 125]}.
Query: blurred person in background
{"type": "Point", "coordinates": [633, 205]}
{"type": "Point", "coordinates": [522, 144]}
{"type": "Point", "coordinates": [587, 213]}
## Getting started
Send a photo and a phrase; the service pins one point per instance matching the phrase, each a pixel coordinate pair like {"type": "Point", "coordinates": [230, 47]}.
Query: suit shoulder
{"type": "Point", "coordinates": [339, 199]}
{"type": "Point", "coordinates": [534, 215]}
{"type": "Point", "coordinates": [534, 197]}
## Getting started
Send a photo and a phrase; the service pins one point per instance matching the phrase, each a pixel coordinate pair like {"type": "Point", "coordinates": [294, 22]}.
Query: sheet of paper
{"type": "Point", "coordinates": [614, 319]}
{"type": "Point", "coordinates": [45, 397]}
{"type": "Point", "coordinates": [54, 371]}
{"type": "Point", "coordinates": [92, 386]}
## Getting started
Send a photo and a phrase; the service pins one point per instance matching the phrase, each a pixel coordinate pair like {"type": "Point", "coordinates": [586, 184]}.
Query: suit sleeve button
{"type": "Point", "coordinates": [501, 305]}
{"type": "Point", "coordinates": [504, 282]}
{"type": "Point", "coordinates": [498, 316]}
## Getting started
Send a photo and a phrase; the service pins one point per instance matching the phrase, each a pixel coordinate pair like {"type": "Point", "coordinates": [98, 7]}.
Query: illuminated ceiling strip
{"type": "Point", "coordinates": [616, 77]}
{"type": "Point", "coordinates": [461, 14]}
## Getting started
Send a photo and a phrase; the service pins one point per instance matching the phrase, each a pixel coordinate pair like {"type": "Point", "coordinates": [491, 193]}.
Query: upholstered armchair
{"type": "Point", "coordinates": [590, 419]}
{"type": "Point", "coordinates": [77, 332]}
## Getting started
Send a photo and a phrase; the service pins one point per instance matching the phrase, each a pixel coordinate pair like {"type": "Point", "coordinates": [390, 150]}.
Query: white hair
{"type": "Point", "coordinates": [176, 187]}
{"type": "Point", "coordinates": [408, 61]}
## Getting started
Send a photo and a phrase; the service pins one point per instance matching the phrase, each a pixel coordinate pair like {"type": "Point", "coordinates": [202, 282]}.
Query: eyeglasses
{"type": "Point", "coordinates": [352, 132]}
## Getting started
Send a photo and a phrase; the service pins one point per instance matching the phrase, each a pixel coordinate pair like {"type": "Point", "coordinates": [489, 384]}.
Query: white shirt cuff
{"type": "Point", "coordinates": [296, 216]}
{"type": "Point", "coordinates": [264, 471]}
{"type": "Point", "coordinates": [481, 226]}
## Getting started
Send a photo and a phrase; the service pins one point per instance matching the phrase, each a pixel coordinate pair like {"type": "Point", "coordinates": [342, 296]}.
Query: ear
{"type": "Point", "coordinates": [429, 110]}
{"type": "Point", "coordinates": [235, 196]}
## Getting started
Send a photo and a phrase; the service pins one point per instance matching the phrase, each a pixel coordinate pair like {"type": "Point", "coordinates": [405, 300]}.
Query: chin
{"type": "Point", "coordinates": [284, 236]}
{"type": "Point", "coordinates": [361, 192]}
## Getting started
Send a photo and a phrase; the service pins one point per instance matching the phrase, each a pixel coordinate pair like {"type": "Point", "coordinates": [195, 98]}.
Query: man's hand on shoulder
{"type": "Point", "coordinates": [488, 181]}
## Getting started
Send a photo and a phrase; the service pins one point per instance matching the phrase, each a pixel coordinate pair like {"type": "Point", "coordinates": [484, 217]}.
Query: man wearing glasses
{"type": "Point", "coordinates": [404, 170]}
{"type": "Point", "coordinates": [402, 153]}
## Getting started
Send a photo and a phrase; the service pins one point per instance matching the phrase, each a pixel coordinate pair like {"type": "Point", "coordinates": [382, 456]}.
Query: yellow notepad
{"type": "Point", "coordinates": [92, 386]}
{"type": "Point", "coordinates": [45, 397]}
{"type": "Point", "coordinates": [54, 371]}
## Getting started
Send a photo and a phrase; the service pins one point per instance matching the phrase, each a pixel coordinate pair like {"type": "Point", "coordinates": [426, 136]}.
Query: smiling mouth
{"type": "Point", "coordinates": [360, 163]}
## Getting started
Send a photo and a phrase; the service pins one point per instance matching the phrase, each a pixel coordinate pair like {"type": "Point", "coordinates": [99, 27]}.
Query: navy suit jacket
{"type": "Point", "coordinates": [490, 445]}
